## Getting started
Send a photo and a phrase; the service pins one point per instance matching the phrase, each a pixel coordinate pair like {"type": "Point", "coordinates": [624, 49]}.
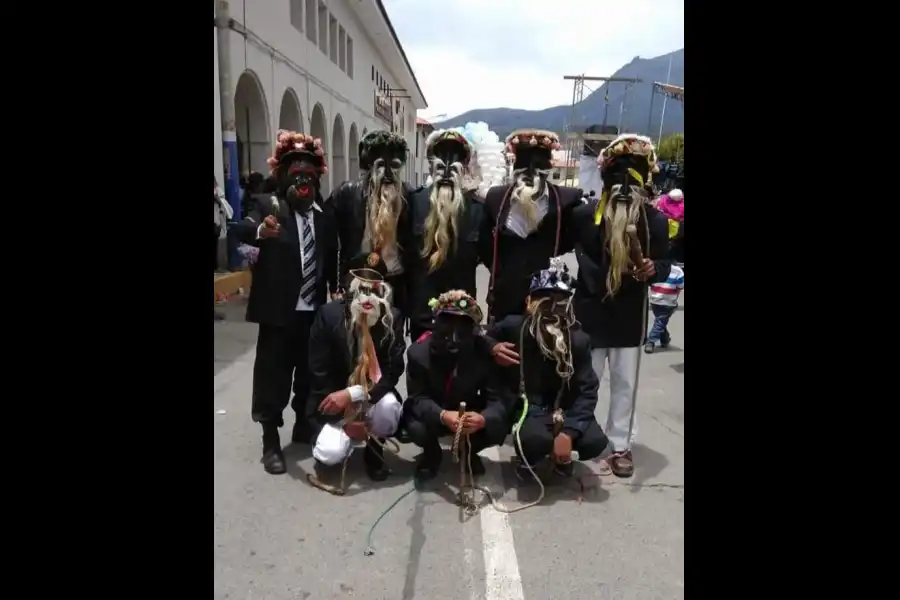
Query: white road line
{"type": "Point", "coordinates": [501, 566]}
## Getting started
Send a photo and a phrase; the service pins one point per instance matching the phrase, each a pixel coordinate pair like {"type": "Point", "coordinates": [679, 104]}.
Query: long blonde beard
{"type": "Point", "coordinates": [441, 225]}
{"type": "Point", "coordinates": [558, 349]}
{"type": "Point", "coordinates": [523, 195]}
{"type": "Point", "coordinates": [616, 219]}
{"type": "Point", "coordinates": [384, 202]}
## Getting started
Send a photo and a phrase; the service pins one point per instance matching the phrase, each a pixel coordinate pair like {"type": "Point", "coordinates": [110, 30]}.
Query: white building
{"type": "Point", "coordinates": [333, 69]}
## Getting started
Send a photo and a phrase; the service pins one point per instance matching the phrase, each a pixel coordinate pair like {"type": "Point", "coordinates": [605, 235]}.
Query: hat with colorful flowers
{"type": "Point", "coordinates": [456, 302]}
{"type": "Point", "coordinates": [291, 145]}
{"type": "Point", "coordinates": [527, 143]}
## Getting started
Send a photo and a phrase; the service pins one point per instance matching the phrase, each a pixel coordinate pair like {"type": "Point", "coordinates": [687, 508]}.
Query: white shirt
{"type": "Point", "coordinates": [301, 303]}
{"type": "Point", "coordinates": [516, 221]}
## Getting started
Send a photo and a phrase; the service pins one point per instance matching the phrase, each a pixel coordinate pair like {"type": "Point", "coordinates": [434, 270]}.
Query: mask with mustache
{"type": "Point", "coordinates": [369, 300]}
{"type": "Point", "coordinates": [384, 202]}
{"type": "Point", "coordinates": [447, 205]}
{"type": "Point", "coordinates": [530, 187]}
{"type": "Point", "coordinates": [550, 320]}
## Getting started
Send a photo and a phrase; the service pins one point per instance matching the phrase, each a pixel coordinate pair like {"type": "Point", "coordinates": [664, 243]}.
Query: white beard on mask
{"type": "Point", "coordinates": [552, 334]}
{"type": "Point", "coordinates": [442, 224]}
{"type": "Point", "coordinates": [616, 218]}
{"type": "Point", "coordinates": [384, 202]}
{"type": "Point", "coordinates": [526, 212]}
{"type": "Point", "coordinates": [369, 305]}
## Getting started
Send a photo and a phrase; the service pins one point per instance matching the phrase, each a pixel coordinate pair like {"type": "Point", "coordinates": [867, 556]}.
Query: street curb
{"type": "Point", "coordinates": [229, 284]}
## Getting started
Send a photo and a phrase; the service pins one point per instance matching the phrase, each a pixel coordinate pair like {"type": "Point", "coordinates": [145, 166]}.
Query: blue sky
{"type": "Point", "coordinates": [513, 53]}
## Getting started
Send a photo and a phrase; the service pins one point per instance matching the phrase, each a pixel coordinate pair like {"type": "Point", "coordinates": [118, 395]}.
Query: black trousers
{"type": "Point", "coordinates": [423, 435]}
{"type": "Point", "coordinates": [536, 436]}
{"type": "Point", "coordinates": [282, 366]}
{"type": "Point", "coordinates": [415, 332]}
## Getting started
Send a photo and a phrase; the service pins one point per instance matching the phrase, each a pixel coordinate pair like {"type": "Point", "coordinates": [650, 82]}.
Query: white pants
{"type": "Point", "coordinates": [622, 383]}
{"type": "Point", "coordinates": [333, 445]}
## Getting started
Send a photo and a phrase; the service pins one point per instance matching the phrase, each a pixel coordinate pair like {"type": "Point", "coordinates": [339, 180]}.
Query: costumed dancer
{"type": "Point", "coordinates": [622, 247]}
{"type": "Point", "coordinates": [528, 221]}
{"type": "Point", "coordinates": [372, 212]}
{"type": "Point", "coordinates": [295, 269]}
{"type": "Point", "coordinates": [355, 361]}
{"type": "Point", "coordinates": [446, 224]}
{"type": "Point", "coordinates": [451, 366]}
{"type": "Point", "coordinates": [555, 378]}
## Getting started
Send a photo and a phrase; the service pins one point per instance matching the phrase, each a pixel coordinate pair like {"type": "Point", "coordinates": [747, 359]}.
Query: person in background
{"type": "Point", "coordinates": [222, 212]}
{"type": "Point", "coordinates": [251, 189]}
{"type": "Point", "coordinates": [664, 303]}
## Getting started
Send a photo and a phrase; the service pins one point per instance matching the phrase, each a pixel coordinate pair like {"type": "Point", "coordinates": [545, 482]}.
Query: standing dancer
{"type": "Point", "coordinates": [295, 268]}
{"type": "Point", "coordinates": [622, 247]}
{"type": "Point", "coordinates": [372, 213]}
{"type": "Point", "coordinates": [446, 224]}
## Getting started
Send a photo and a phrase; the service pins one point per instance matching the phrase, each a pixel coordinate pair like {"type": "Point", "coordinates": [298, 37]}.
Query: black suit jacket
{"type": "Point", "coordinates": [459, 268]}
{"type": "Point", "coordinates": [332, 359]}
{"type": "Point", "coordinates": [518, 258]}
{"type": "Point", "coordinates": [477, 382]}
{"type": "Point", "coordinates": [278, 271]}
{"type": "Point", "coordinates": [350, 214]}
{"type": "Point", "coordinates": [616, 322]}
{"type": "Point", "coordinates": [542, 384]}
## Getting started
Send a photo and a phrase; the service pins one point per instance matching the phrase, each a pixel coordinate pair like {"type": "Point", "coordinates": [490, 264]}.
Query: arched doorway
{"type": "Point", "coordinates": [353, 152]}
{"type": "Point", "coordinates": [318, 129]}
{"type": "Point", "coordinates": [289, 117]}
{"type": "Point", "coordinates": [338, 152]}
{"type": "Point", "coordinates": [251, 119]}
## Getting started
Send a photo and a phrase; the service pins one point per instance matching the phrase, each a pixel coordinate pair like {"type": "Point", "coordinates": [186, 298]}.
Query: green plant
{"type": "Point", "coordinates": [671, 147]}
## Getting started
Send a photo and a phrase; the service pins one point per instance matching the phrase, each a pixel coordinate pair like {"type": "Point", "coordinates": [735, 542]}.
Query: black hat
{"type": "Point", "coordinates": [451, 141]}
{"type": "Point", "coordinates": [381, 144]}
{"type": "Point", "coordinates": [368, 266]}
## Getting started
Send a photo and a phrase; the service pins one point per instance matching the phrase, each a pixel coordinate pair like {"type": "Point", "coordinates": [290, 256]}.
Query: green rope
{"type": "Point", "coordinates": [370, 549]}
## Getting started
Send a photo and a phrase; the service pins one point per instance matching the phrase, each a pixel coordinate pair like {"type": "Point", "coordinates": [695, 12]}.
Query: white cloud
{"type": "Point", "coordinates": [470, 54]}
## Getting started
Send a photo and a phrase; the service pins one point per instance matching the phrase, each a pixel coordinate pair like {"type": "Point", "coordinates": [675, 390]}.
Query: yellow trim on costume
{"type": "Point", "coordinates": [601, 206]}
{"type": "Point", "coordinates": [673, 228]}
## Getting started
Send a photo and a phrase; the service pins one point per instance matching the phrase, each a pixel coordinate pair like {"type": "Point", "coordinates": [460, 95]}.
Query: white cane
{"type": "Point", "coordinates": [635, 247]}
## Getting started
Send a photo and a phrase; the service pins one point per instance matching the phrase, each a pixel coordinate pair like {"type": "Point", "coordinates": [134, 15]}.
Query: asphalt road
{"type": "Point", "coordinates": [276, 538]}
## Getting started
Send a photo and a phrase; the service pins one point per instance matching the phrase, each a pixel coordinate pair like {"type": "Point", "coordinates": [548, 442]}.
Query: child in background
{"type": "Point", "coordinates": [663, 303]}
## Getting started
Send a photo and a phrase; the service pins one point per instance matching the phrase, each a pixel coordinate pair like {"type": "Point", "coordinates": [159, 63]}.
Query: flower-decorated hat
{"type": "Point", "coordinates": [555, 278]}
{"type": "Point", "coordinates": [635, 147]}
{"type": "Point", "coordinates": [456, 302]}
{"type": "Point", "coordinates": [368, 266]}
{"type": "Point", "coordinates": [525, 143]}
{"type": "Point", "coordinates": [381, 144]}
{"type": "Point", "coordinates": [448, 141]}
{"type": "Point", "coordinates": [291, 145]}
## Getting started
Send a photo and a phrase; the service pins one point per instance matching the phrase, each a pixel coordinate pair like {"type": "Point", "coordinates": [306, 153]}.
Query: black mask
{"type": "Point", "coordinates": [453, 335]}
{"type": "Point", "coordinates": [299, 184]}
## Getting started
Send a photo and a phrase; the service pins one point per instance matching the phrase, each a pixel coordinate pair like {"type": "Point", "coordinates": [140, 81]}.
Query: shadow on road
{"type": "Point", "coordinates": [648, 463]}
{"type": "Point", "coordinates": [233, 337]}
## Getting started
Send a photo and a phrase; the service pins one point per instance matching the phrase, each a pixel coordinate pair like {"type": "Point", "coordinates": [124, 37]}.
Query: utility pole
{"type": "Point", "coordinates": [575, 140]}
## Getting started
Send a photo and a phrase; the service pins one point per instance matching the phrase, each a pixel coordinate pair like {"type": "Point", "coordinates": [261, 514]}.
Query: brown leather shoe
{"type": "Point", "coordinates": [622, 464]}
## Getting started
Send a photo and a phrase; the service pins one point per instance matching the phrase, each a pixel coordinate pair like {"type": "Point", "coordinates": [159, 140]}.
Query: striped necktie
{"type": "Point", "coordinates": [308, 283]}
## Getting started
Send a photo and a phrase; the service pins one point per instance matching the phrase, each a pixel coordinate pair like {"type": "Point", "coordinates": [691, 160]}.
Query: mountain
{"type": "Point", "coordinates": [590, 110]}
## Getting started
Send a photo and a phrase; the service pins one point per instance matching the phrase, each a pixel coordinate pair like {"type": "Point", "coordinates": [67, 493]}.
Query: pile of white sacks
{"type": "Point", "coordinates": [489, 168]}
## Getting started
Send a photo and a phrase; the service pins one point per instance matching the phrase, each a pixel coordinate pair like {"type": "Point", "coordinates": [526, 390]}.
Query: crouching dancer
{"type": "Point", "coordinates": [454, 365]}
{"type": "Point", "coordinates": [557, 383]}
{"type": "Point", "coordinates": [355, 360]}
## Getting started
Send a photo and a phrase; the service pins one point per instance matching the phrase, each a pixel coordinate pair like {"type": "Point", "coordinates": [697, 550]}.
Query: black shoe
{"type": "Point", "coordinates": [373, 456]}
{"type": "Point", "coordinates": [272, 458]}
{"type": "Point", "coordinates": [664, 343]}
{"type": "Point", "coordinates": [429, 463]}
{"type": "Point", "coordinates": [217, 316]}
{"type": "Point", "coordinates": [564, 469]}
{"type": "Point", "coordinates": [648, 347]}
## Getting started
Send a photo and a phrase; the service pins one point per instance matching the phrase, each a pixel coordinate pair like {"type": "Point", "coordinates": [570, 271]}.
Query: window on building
{"type": "Point", "coordinates": [333, 39]}
{"type": "Point", "coordinates": [323, 28]}
{"type": "Point", "coordinates": [373, 72]}
{"type": "Point", "coordinates": [342, 49]}
{"type": "Point", "coordinates": [297, 14]}
{"type": "Point", "coordinates": [417, 148]}
{"type": "Point", "coordinates": [311, 21]}
{"type": "Point", "coordinates": [350, 57]}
